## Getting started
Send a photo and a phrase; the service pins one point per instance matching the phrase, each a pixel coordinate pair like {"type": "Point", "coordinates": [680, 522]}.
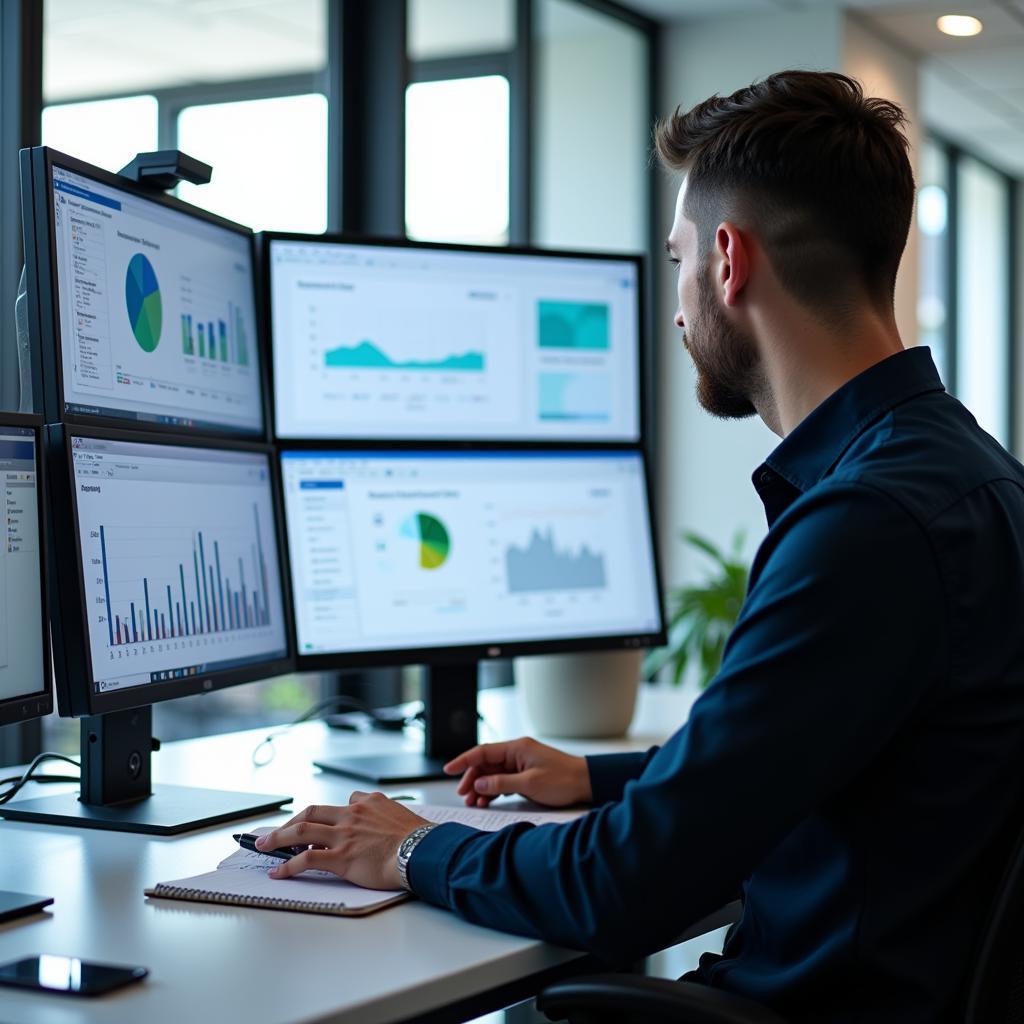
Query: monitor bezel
{"type": "Point", "coordinates": [44, 315]}
{"type": "Point", "coordinates": [264, 241]}
{"type": "Point", "coordinates": [76, 695]}
{"type": "Point", "coordinates": [38, 703]}
{"type": "Point", "coordinates": [461, 653]}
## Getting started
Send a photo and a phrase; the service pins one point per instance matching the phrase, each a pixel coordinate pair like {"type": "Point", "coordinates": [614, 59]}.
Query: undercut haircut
{"type": "Point", "coordinates": [816, 170]}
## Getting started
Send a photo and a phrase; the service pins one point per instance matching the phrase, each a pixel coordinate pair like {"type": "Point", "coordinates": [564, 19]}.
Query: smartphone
{"type": "Point", "coordinates": [68, 975]}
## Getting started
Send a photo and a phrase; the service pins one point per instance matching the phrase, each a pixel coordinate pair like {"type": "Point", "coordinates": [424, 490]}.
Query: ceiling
{"type": "Point", "coordinates": [972, 90]}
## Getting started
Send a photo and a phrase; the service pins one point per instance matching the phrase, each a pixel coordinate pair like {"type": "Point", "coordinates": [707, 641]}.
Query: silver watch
{"type": "Point", "coordinates": [405, 848]}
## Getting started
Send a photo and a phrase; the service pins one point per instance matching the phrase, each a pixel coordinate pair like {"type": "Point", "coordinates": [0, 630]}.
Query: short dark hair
{"type": "Point", "coordinates": [819, 172]}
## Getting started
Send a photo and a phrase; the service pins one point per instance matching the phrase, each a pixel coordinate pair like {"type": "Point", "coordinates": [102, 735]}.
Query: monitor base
{"type": "Point", "coordinates": [388, 769]}
{"type": "Point", "coordinates": [168, 811]}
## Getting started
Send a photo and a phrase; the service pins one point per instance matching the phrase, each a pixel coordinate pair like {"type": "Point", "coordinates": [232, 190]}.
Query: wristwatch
{"type": "Point", "coordinates": [405, 848]}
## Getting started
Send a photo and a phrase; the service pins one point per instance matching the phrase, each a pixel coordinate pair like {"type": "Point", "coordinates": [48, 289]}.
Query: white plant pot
{"type": "Point", "coordinates": [580, 696]}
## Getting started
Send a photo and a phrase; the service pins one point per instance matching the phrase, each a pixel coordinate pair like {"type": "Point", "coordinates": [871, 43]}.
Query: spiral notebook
{"type": "Point", "coordinates": [241, 879]}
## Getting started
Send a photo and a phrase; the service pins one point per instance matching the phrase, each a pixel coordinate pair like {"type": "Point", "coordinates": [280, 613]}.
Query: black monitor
{"type": "Point", "coordinates": [168, 581]}
{"type": "Point", "coordinates": [392, 340]}
{"type": "Point", "coordinates": [26, 685]}
{"type": "Point", "coordinates": [26, 689]}
{"type": "Point", "coordinates": [447, 557]}
{"type": "Point", "coordinates": [142, 308]}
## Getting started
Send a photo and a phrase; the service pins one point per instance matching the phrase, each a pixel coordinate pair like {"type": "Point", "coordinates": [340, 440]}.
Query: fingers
{"type": "Point", "coordinates": [358, 797]}
{"type": "Point", "coordinates": [497, 785]}
{"type": "Point", "coordinates": [302, 833]}
{"type": "Point", "coordinates": [486, 756]}
{"type": "Point", "coordinates": [322, 860]}
{"type": "Point", "coordinates": [325, 814]}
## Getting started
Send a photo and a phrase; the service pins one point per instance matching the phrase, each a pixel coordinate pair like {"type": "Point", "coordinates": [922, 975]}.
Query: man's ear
{"type": "Point", "coordinates": [733, 262]}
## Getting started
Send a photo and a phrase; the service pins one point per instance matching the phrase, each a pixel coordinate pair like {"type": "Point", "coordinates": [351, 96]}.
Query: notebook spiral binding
{"type": "Point", "coordinates": [176, 892]}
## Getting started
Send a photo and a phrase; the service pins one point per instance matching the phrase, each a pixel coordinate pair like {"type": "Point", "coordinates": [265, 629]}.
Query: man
{"type": "Point", "coordinates": [856, 767]}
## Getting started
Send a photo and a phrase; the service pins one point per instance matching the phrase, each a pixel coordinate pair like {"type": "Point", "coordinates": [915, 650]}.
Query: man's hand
{"type": "Point", "coordinates": [522, 766]}
{"type": "Point", "coordinates": [358, 843]}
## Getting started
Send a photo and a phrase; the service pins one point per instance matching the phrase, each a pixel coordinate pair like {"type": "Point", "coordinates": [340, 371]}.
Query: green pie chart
{"type": "Point", "coordinates": [142, 297]}
{"type": "Point", "coordinates": [431, 535]}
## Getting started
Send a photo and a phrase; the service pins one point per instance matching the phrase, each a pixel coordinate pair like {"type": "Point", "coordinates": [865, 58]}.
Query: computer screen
{"type": "Point", "coordinates": [24, 678]}
{"type": "Point", "coordinates": [429, 549]}
{"type": "Point", "coordinates": [180, 574]}
{"type": "Point", "coordinates": [155, 308]}
{"type": "Point", "coordinates": [411, 341]}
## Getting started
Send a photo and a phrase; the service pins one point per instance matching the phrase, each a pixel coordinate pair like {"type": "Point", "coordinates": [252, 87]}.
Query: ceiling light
{"type": "Point", "coordinates": [959, 25]}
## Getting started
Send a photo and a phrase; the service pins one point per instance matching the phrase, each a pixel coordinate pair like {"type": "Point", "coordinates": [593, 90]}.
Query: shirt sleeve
{"type": "Point", "coordinates": [840, 637]}
{"type": "Point", "coordinates": [609, 773]}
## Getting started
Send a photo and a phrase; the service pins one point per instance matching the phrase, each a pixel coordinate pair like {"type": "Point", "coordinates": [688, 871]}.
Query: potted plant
{"type": "Point", "coordinates": [702, 615]}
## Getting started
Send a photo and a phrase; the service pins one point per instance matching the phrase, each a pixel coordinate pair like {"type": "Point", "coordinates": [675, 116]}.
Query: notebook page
{"type": "Point", "coordinates": [491, 819]}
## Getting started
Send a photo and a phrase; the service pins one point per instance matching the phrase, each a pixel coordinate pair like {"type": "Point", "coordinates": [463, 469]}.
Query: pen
{"type": "Point", "coordinates": [247, 841]}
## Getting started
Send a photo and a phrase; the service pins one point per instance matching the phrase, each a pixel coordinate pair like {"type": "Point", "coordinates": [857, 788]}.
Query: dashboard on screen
{"type": "Point", "coordinates": [179, 560]}
{"type": "Point", "coordinates": [432, 549]}
{"type": "Point", "coordinates": [22, 672]}
{"type": "Point", "coordinates": [156, 310]}
{"type": "Point", "coordinates": [410, 342]}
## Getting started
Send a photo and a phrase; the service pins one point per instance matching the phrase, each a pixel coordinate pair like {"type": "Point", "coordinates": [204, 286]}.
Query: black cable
{"type": "Point", "coordinates": [27, 776]}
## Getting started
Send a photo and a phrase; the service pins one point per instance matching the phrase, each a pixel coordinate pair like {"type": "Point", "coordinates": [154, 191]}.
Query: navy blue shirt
{"type": "Point", "coordinates": [856, 765]}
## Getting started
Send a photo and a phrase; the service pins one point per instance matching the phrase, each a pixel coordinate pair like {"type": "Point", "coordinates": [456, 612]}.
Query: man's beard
{"type": "Point", "coordinates": [729, 374]}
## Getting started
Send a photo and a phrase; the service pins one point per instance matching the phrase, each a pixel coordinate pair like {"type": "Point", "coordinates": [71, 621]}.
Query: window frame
{"type": "Point", "coordinates": [954, 153]}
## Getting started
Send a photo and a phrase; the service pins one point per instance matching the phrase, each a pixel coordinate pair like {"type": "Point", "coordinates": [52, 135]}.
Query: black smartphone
{"type": "Point", "coordinates": [67, 975]}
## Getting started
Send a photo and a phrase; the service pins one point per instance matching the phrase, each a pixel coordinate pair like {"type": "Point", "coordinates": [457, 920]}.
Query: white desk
{"type": "Point", "coordinates": [234, 964]}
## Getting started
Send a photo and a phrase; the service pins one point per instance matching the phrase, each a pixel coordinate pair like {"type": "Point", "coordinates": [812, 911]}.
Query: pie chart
{"type": "Point", "coordinates": [142, 297]}
{"type": "Point", "coordinates": [432, 537]}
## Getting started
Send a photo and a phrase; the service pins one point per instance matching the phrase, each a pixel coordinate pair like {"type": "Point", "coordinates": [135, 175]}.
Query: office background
{"type": "Point", "coordinates": [526, 121]}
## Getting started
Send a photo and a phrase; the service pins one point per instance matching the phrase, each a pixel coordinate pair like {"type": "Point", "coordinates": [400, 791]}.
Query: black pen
{"type": "Point", "coordinates": [247, 841]}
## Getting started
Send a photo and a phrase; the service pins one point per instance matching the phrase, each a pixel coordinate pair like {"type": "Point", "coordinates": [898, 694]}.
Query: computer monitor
{"type": "Point", "coordinates": [447, 557]}
{"type": "Point", "coordinates": [168, 576]}
{"type": "Point", "coordinates": [395, 341]}
{"type": "Point", "coordinates": [26, 688]}
{"type": "Point", "coordinates": [142, 308]}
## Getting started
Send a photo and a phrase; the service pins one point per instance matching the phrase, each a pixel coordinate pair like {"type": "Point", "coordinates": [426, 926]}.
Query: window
{"type": "Point", "coordinates": [457, 160]}
{"type": "Point", "coordinates": [107, 133]}
{"type": "Point", "coordinates": [933, 227]}
{"type": "Point", "coordinates": [591, 176]}
{"type": "Point", "coordinates": [280, 186]}
{"type": "Point", "coordinates": [983, 327]}
{"type": "Point", "coordinates": [225, 80]}
{"type": "Point", "coordinates": [458, 28]}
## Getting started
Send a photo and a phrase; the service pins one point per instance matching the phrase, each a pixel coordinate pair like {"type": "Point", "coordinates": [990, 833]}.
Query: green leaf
{"type": "Point", "coordinates": [702, 615]}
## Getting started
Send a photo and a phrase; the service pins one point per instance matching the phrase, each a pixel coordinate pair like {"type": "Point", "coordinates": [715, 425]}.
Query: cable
{"type": "Point", "coordinates": [21, 780]}
{"type": "Point", "coordinates": [329, 703]}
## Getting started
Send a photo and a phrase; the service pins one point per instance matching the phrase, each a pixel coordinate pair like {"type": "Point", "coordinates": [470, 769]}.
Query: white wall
{"type": "Point", "coordinates": [705, 464]}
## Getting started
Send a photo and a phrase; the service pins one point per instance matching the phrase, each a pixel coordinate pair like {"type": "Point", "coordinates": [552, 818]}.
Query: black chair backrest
{"type": "Point", "coordinates": [996, 988]}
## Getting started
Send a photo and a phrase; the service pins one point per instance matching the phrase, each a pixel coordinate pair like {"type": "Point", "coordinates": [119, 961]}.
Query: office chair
{"type": "Point", "coordinates": [994, 994]}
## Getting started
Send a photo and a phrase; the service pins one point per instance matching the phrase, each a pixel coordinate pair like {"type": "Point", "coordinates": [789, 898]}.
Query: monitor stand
{"type": "Point", "coordinates": [449, 707]}
{"type": "Point", "coordinates": [117, 795]}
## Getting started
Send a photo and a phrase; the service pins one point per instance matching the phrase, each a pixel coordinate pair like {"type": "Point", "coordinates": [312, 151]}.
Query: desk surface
{"type": "Point", "coordinates": [216, 963]}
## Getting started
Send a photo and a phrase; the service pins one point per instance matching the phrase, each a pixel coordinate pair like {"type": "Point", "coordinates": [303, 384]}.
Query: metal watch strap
{"type": "Point", "coordinates": [405, 848]}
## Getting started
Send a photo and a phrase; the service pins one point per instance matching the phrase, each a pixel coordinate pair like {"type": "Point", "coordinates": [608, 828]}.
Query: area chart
{"type": "Point", "coordinates": [541, 566]}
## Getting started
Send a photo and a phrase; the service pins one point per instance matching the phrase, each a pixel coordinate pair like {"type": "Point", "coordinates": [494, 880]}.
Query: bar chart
{"type": "Point", "coordinates": [181, 572]}
{"type": "Point", "coordinates": [210, 597]}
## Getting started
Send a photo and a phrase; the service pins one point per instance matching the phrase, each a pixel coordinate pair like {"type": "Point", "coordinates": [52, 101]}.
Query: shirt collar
{"type": "Point", "coordinates": [811, 450]}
